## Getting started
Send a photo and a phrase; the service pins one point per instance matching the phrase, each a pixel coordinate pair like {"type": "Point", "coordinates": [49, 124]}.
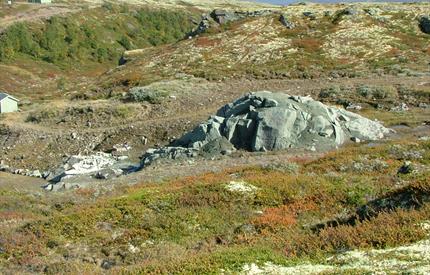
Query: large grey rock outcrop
{"type": "Point", "coordinates": [265, 121]}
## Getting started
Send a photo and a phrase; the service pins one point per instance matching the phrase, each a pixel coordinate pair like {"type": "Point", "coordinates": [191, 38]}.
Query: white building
{"type": "Point", "coordinates": [8, 103]}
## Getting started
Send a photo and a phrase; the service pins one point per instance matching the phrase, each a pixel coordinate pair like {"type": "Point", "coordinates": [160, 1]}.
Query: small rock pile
{"type": "Point", "coordinates": [265, 121]}
{"type": "Point", "coordinates": [23, 172]}
{"type": "Point", "coordinates": [99, 166]}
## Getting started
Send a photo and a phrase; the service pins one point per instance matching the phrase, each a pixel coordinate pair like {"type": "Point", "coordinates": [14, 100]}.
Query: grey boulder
{"type": "Point", "coordinates": [265, 121]}
{"type": "Point", "coordinates": [425, 24]}
{"type": "Point", "coordinates": [287, 23]}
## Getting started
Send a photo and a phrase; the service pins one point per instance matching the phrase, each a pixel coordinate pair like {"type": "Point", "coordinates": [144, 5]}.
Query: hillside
{"type": "Point", "coordinates": [215, 137]}
{"type": "Point", "coordinates": [334, 41]}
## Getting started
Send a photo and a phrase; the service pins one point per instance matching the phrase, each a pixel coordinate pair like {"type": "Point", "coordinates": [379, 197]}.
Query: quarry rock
{"type": "Point", "coordinates": [265, 121]}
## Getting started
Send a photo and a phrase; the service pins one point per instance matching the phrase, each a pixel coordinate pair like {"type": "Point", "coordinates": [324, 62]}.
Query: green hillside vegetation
{"type": "Point", "coordinates": [97, 35]}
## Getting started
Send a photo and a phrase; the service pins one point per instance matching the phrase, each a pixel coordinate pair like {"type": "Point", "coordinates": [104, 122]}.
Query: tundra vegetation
{"type": "Point", "coordinates": [118, 79]}
{"type": "Point", "coordinates": [198, 224]}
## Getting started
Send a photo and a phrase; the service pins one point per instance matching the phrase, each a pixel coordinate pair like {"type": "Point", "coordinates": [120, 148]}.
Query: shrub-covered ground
{"type": "Point", "coordinates": [285, 214]}
{"type": "Point", "coordinates": [97, 35]}
{"type": "Point", "coordinates": [46, 57]}
{"type": "Point", "coordinates": [334, 41]}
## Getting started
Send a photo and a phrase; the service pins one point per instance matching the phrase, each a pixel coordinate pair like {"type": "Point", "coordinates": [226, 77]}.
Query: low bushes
{"type": "Point", "coordinates": [61, 40]}
{"type": "Point", "coordinates": [142, 94]}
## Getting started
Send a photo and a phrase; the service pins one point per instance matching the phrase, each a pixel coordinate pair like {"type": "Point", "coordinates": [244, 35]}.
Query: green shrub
{"type": "Point", "coordinates": [331, 92]}
{"type": "Point", "coordinates": [376, 92]}
{"type": "Point", "coordinates": [141, 94]}
{"type": "Point", "coordinates": [38, 117]}
{"type": "Point", "coordinates": [125, 42]}
{"type": "Point", "coordinates": [123, 111]}
{"type": "Point", "coordinates": [60, 40]}
{"type": "Point", "coordinates": [17, 39]}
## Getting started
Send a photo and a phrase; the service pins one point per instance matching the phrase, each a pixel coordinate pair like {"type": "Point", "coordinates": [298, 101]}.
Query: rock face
{"type": "Point", "coordinates": [265, 121]}
{"type": "Point", "coordinates": [425, 24]}
{"type": "Point", "coordinates": [224, 16]}
{"type": "Point", "coordinates": [221, 17]}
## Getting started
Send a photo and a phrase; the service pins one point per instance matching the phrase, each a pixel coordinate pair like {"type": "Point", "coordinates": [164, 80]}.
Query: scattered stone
{"type": "Point", "coordinates": [133, 249]}
{"type": "Point", "coordinates": [247, 229]}
{"type": "Point", "coordinates": [240, 187]}
{"type": "Point", "coordinates": [425, 24]}
{"type": "Point", "coordinates": [172, 153]}
{"type": "Point", "coordinates": [222, 16]}
{"type": "Point", "coordinates": [121, 147]}
{"type": "Point", "coordinates": [350, 11]}
{"type": "Point", "coordinates": [353, 106]}
{"type": "Point", "coordinates": [372, 11]}
{"type": "Point", "coordinates": [310, 15]}
{"type": "Point", "coordinates": [107, 264]}
{"type": "Point", "coordinates": [77, 170]}
{"type": "Point", "coordinates": [423, 105]}
{"type": "Point", "coordinates": [202, 27]}
{"type": "Point", "coordinates": [5, 168]}
{"type": "Point", "coordinates": [401, 108]}
{"type": "Point", "coordinates": [355, 139]}
{"type": "Point", "coordinates": [406, 168]}
{"type": "Point", "coordinates": [108, 173]}
{"type": "Point", "coordinates": [287, 23]}
{"type": "Point", "coordinates": [35, 174]}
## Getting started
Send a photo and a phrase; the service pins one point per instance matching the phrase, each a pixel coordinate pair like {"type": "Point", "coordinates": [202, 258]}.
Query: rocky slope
{"type": "Point", "coordinates": [336, 40]}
